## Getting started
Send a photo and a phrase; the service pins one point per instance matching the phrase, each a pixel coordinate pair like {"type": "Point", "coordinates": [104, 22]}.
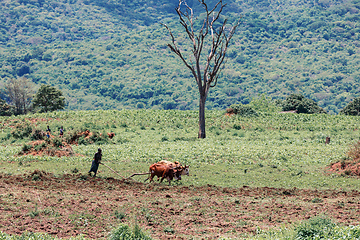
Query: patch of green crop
{"type": "Point", "coordinates": [314, 228]}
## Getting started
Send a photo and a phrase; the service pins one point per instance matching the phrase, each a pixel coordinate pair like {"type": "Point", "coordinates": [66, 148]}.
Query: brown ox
{"type": "Point", "coordinates": [163, 171]}
{"type": "Point", "coordinates": [183, 170]}
{"type": "Point", "coordinates": [172, 164]}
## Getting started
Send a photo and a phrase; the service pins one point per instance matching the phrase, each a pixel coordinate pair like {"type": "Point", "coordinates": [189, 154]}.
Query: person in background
{"type": "Point", "coordinates": [48, 132]}
{"type": "Point", "coordinates": [95, 163]}
{"type": "Point", "coordinates": [61, 131]}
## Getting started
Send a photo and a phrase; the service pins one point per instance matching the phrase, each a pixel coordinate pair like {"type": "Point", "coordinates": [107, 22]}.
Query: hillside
{"type": "Point", "coordinates": [113, 55]}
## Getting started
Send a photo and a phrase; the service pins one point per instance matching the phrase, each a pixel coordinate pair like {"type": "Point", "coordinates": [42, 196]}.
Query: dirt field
{"type": "Point", "coordinates": [76, 204]}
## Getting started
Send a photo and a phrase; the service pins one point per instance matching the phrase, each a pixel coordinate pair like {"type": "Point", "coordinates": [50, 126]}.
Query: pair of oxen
{"type": "Point", "coordinates": [167, 170]}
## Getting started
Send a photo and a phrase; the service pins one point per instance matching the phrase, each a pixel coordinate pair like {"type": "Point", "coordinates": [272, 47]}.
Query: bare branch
{"type": "Point", "coordinates": [175, 49]}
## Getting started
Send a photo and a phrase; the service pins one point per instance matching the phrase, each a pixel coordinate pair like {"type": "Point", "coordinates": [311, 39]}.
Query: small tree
{"type": "Point", "coordinates": [209, 43]}
{"type": "Point", "coordinates": [353, 108]}
{"type": "Point", "coordinates": [48, 99]}
{"type": "Point", "coordinates": [20, 92]}
{"type": "Point", "coordinates": [5, 109]}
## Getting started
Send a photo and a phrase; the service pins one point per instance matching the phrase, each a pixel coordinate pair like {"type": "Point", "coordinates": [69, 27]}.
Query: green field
{"type": "Point", "coordinates": [273, 150]}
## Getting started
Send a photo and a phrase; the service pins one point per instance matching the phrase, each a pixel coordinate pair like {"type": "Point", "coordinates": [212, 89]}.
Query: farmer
{"type": "Point", "coordinates": [61, 131]}
{"type": "Point", "coordinates": [48, 132]}
{"type": "Point", "coordinates": [96, 162]}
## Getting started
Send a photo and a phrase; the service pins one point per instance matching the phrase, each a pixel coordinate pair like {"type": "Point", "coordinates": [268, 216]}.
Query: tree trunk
{"type": "Point", "coordinates": [202, 116]}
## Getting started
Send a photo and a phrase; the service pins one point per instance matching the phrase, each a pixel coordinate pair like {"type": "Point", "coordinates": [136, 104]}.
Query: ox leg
{"type": "Point", "coordinates": [152, 177]}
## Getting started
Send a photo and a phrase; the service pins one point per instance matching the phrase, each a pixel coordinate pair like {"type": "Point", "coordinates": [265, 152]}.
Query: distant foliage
{"type": "Point", "coordinates": [301, 104]}
{"type": "Point", "coordinates": [86, 49]}
{"type": "Point", "coordinates": [243, 110]}
{"type": "Point", "coordinates": [353, 108]}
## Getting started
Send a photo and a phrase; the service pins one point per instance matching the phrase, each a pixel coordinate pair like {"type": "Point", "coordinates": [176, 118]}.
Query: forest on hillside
{"type": "Point", "coordinates": [112, 54]}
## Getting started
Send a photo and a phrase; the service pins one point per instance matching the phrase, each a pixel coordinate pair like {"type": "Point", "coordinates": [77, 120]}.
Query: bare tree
{"type": "Point", "coordinates": [20, 92]}
{"type": "Point", "coordinates": [209, 45]}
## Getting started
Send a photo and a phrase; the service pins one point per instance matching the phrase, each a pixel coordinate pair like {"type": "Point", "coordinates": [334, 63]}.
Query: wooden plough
{"type": "Point", "coordinates": [135, 174]}
{"type": "Point", "coordinates": [122, 176]}
{"type": "Point", "coordinates": [112, 170]}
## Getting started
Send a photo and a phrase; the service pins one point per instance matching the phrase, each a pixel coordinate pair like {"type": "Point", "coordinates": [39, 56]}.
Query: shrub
{"type": "Point", "coordinates": [125, 233]}
{"type": "Point", "coordinates": [83, 141]}
{"type": "Point", "coordinates": [37, 134]}
{"type": "Point", "coordinates": [354, 152]}
{"type": "Point", "coordinates": [40, 146]}
{"type": "Point", "coordinates": [243, 110]}
{"type": "Point", "coordinates": [315, 228]}
{"type": "Point", "coordinates": [119, 215]}
{"type": "Point", "coordinates": [26, 148]}
{"type": "Point", "coordinates": [21, 131]}
{"type": "Point", "coordinates": [99, 138]}
{"type": "Point", "coordinates": [353, 108]}
{"type": "Point", "coordinates": [301, 104]}
{"type": "Point", "coordinates": [57, 142]}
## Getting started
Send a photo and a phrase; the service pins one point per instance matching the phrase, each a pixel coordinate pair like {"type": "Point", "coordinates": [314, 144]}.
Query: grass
{"type": "Point", "coordinates": [274, 150]}
{"type": "Point", "coordinates": [314, 228]}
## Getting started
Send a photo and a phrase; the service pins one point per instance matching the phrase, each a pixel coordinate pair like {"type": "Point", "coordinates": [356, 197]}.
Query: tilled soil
{"type": "Point", "coordinates": [76, 204]}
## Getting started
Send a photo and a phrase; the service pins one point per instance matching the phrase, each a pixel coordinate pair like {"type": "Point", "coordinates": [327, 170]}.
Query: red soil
{"type": "Point", "coordinates": [350, 165]}
{"type": "Point", "coordinates": [70, 205]}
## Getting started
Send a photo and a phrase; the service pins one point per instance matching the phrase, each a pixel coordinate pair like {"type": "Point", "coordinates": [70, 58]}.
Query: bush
{"type": "Point", "coordinates": [353, 108]}
{"type": "Point", "coordinates": [40, 146]}
{"type": "Point", "coordinates": [243, 110]}
{"type": "Point", "coordinates": [37, 134]}
{"type": "Point", "coordinates": [315, 228]}
{"type": "Point", "coordinates": [21, 131]}
{"type": "Point", "coordinates": [125, 233]}
{"type": "Point", "coordinates": [354, 152]}
{"type": "Point", "coordinates": [301, 104]}
{"type": "Point", "coordinates": [26, 148]}
{"type": "Point", "coordinates": [57, 142]}
{"type": "Point", "coordinates": [99, 138]}
{"type": "Point", "coordinates": [83, 141]}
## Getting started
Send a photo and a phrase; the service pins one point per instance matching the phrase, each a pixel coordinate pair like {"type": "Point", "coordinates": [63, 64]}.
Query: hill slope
{"type": "Point", "coordinates": [113, 54]}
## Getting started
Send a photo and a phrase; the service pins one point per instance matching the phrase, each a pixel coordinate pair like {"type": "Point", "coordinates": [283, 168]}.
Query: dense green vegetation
{"type": "Point", "coordinates": [113, 54]}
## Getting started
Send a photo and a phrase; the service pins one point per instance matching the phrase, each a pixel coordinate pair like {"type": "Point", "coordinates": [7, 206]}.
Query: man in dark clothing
{"type": "Point", "coordinates": [48, 132]}
{"type": "Point", "coordinates": [96, 162]}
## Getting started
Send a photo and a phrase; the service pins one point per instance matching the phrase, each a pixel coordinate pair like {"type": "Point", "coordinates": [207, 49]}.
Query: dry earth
{"type": "Point", "coordinates": [75, 204]}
